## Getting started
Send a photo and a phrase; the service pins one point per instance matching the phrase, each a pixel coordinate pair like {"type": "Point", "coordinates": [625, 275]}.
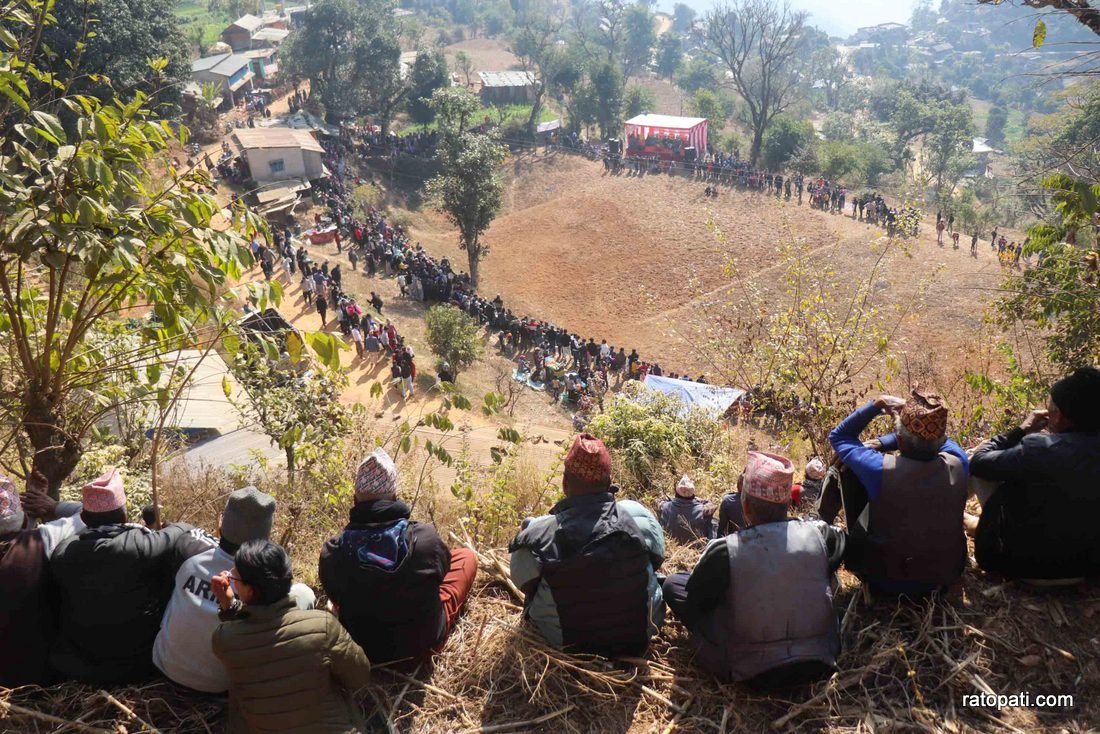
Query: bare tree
{"type": "Point", "coordinates": [760, 44]}
{"type": "Point", "coordinates": [1085, 12]}
{"type": "Point", "coordinates": [536, 44]}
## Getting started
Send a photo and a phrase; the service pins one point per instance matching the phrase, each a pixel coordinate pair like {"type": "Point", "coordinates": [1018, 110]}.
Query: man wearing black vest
{"type": "Point", "coordinates": [1039, 518]}
{"type": "Point", "coordinates": [588, 569]}
{"type": "Point", "coordinates": [904, 511]}
{"type": "Point", "coordinates": [759, 604]}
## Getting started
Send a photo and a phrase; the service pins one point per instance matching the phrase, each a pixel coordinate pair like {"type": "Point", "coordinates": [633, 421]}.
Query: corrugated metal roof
{"type": "Point", "coordinates": [506, 78]}
{"type": "Point", "coordinates": [221, 64]}
{"type": "Point", "coordinates": [248, 22]}
{"type": "Point", "coordinates": [276, 137]}
{"type": "Point", "coordinates": [270, 34]}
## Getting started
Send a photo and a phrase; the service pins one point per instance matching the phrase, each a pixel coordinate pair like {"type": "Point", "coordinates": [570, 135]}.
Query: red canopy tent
{"type": "Point", "coordinates": [665, 136]}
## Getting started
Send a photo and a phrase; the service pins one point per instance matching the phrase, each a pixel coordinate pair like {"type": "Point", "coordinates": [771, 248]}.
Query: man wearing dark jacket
{"type": "Point", "coordinates": [759, 603]}
{"type": "Point", "coordinates": [588, 569]}
{"type": "Point", "coordinates": [28, 601]}
{"type": "Point", "coordinates": [397, 587]}
{"type": "Point", "coordinates": [685, 517]}
{"type": "Point", "coordinates": [1040, 523]}
{"type": "Point", "coordinates": [114, 580]}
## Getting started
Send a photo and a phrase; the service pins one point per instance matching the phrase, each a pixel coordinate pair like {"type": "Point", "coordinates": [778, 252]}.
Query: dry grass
{"type": "Point", "coordinates": [905, 667]}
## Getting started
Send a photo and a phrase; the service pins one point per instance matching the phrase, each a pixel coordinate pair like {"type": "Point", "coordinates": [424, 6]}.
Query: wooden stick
{"type": "Point", "coordinates": [13, 709]}
{"type": "Point", "coordinates": [522, 724]}
{"type": "Point", "coordinates": [490, 560]}
{"type": "Point", "coordinates": [422, 684]}
{"type": "Point", "coordinates": [725, 719]}
{"type": "Point", "coordinates": [797, 710]}
{"type": "Point", "coordinates": [401, 695]}
{"type": "Point", "coordinates": [128, 711]}
{"type": "Point", "coordinates": [658, 697]}
{"type": "Point", "coordinates": [679, 714]}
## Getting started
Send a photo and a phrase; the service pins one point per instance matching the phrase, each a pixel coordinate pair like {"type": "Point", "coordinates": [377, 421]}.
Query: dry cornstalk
{"type": "Point", "coordinates": [128, 711]}
{"type": "Point", "coordinates": [31, 713]}
{"type": "Point", "coordinates": [679, 714]}
{"type": "Point", "coordinates": [520, 725]}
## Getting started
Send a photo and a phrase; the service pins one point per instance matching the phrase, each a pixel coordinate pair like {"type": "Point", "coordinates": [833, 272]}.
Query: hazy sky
{"type": "Point", "coordinates": [838, 17]}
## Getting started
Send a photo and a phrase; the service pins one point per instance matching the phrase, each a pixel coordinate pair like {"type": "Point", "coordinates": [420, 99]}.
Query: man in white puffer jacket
{"type": "Point", "coordinates": [182, 650]}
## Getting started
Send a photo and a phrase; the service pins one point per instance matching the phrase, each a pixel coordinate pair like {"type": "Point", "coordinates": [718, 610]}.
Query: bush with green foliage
{"type": "Point", "coordinates": [650, 437]}
{"type": "Point", "coordinates": [853, 162]}
{"type": "Point", "coordinates": [453, 336]}
{"type": "Point", "coordinates": [783, 140]}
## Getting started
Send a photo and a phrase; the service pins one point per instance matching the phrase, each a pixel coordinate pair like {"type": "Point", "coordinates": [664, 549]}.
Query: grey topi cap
{"type": "Point", "coordinates": [248, 516]}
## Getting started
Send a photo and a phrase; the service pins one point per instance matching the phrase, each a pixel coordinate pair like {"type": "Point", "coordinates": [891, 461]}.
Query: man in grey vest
{"type": "Point", "coordinates": [903, 511]}
{"type": "Point", "coordinates": [759, 604]}
{"type": "Point", "coordinates": [686, 518]}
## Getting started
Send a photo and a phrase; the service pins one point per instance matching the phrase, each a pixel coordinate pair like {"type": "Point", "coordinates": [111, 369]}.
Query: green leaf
{"type": "Point", "coordinates": [1039, 36]}
{"type": "Point", "coordinates": [294, 346]}
{"type": "Point", "coordinates": [326, 346]}
{"type": "Point", "coordinates": [226, 387]}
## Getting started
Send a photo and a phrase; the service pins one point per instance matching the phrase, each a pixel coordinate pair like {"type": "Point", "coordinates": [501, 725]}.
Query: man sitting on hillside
{"type": "Point", "coordinates": [759, 604]}
{"type": "Point", "coordinates": [1041, 522]}
{"type": "Point", "coordinates": [396, 586]}
{"type": "Point", "coordinates": [911, 539]}
{"type": "Point", "coordinates": [685, 517]}
{"type": "Point", "coordinates": [28, 604]}
{"type": "Point", "coordinates": [115, 579]}
{"type": "Point", "coordinates": [182, 649]}
{"type": "Point", "coordinates": [588, 569]}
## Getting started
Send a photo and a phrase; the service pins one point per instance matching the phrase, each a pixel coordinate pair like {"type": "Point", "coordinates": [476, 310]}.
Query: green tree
{"type": "Point", "coordinates": [670, 53]}
{"type": "Point", "coordinates": [705, 103]}
{"type": "Point", "coordinates": [607, 83]}
{"type": "Point", "coordinates": [464, 65]}
{"type": "Point", "coordinates": [683, 18]}
{"type": "Point", "coordinates": [453, 336]}
{"type": "Point", "coordinates": [429, 73]}
{"type": "Point", "coordinates": [638, 100]}
{"type": "Point", "coordinates": [469, 191]}
{"type": "Point", "coordinates": [87, 234]}
{"type": "Point", "coordinates": [640, 37]}
{"type": "Point", "coordinates": [697, 73]}
{"type": "Point", "coordinates": [454, 108]}
{"type": "Point", "coordinates": [109, 44]}
{"type": "Point", "coordinates": [784, 139]}
{"type": "Point", "coordinates": [995, 125]}
{"type": "Point", "coordinates": [760, 43]}
{"type": "Point", "coordinates": [350, 53]}
{"type": "Point", "coordinates": [946, 149]}
{"type": "Point", "coordinates": [830, 71]}
{"type": "Point", "coordinates": [301, 414]}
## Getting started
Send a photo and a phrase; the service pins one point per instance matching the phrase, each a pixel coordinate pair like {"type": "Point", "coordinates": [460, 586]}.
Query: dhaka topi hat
{"type": "Point", "coordinates": [768, 477]}
{"type": "Point", "coordinates": [105, 493]}
{"type": "Point", "coordinates": [815, 469]}
{"type": "Point", "coordinates": [587, 466]}
{"type": "Point", "coordinates": [925, 415]}
{"type": "Point", "coordinates": [685, 487]}
{"type": "Point", "coordinates": [376, 478]}
{"type": "Point", "coordinates": [248, 516]}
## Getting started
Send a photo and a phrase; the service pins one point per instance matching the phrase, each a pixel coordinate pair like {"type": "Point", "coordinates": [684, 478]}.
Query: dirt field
{"type": "Point", "coordinates": [634, 260]}
{"type": "Point", "coordinates": [487, 54]}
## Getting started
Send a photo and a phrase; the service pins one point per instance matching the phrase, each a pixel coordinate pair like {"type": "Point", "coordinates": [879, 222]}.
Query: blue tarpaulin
{"type": "Point", "coordinates": [713, 399]}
